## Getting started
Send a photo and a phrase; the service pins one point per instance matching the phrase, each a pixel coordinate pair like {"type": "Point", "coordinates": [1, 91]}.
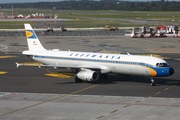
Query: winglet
{"type": "Point", "coordinates": [128, 53]}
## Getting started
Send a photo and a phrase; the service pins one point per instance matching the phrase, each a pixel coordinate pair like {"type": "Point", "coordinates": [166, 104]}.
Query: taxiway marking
{"type": "Point", "coordinates": [172, 82]}
{"type": "Point", "coordinates": [7, 56]}
{"type": "Point", "coordinates": [24, 108]}
{"type": "Point", "coordinates": [50, 100]}
{"type": "Point", "coordinates": [4, 47]}
{"type": "Point", "coordinates": [113, 111]}
{"type": "Point", "coordinates": [29, 64]}
{"type": "Point", "coordinates": [60, 75]}
{"type": "Point", "coordinates": [177, 59]}
{"type": "Point", "coordinates": [2, 72]}
{"type": "Point", "coordinates": [126, 106]}
{"type": "Point", "coordinates": [100, 117]}
{"type": "Point", "coordinates": [166, 89]}
{"type": "Point", "coordinates": [158, 92]}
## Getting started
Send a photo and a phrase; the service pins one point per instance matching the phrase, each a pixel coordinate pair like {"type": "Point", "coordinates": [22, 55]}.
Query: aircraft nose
{"type": "Point", "coordinates": [171, 71]}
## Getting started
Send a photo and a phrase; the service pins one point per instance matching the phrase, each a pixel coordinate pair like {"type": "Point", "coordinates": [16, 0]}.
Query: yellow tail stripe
{"type": "Point", "coordinates": [153, 72]}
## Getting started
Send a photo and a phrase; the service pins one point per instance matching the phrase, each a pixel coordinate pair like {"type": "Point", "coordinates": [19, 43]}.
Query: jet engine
{"type": "Point", "coordinates": [88, 75]}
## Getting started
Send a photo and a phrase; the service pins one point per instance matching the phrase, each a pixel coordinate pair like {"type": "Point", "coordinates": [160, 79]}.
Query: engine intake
{"type": "Point", "coordinates": [88, 75]}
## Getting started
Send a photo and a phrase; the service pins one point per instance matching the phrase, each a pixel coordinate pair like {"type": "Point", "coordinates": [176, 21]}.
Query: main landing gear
{"type": "Point", "coordinates": [152, 81]}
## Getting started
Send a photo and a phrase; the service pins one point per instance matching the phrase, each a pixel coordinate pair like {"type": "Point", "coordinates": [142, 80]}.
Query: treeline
{"type": "Point", "coordinates": [100, 5]}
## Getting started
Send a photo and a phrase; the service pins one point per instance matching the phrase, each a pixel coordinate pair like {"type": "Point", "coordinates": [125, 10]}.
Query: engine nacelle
{"type": "Point", "coordinates": [88, 75]}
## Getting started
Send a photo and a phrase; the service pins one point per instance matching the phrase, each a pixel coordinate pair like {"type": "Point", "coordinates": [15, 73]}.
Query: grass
{"type": "Point", "coordinates": [84, 19]}
{"type": "Point", "coordinates": [84, 23]}
{"type": "Point", "coordinates": [13, 24]}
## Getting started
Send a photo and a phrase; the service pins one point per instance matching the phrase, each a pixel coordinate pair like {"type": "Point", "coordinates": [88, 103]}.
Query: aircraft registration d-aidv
{"type": "Point", "coordinates": [92, 66]}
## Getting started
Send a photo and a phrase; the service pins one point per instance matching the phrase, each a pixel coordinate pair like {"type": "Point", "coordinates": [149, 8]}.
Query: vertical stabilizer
{"type": "Point", "coordinates": [32, 40]}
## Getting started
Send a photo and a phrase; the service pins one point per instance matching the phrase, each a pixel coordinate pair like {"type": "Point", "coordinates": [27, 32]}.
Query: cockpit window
{"type": "Point", "coordinates": [162, 65]}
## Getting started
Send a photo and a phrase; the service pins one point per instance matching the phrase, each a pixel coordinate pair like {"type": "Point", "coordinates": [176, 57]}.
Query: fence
{"type": "Point", "coordinates": [65, 33]}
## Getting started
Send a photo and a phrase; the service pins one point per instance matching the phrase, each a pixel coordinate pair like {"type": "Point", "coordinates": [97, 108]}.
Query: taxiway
{"type": "Point", "coordinates": [40, 93]}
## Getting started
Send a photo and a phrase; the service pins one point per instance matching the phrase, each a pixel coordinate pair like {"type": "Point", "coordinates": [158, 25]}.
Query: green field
{"type": "Point", "coordinates": [83, 19]}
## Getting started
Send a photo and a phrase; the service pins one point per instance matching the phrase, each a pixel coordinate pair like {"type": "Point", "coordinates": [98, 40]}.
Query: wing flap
{"type": "Point", "coordinates": [102, 69]}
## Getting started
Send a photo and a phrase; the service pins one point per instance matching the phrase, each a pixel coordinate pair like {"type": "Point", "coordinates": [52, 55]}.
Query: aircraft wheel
{"type": "Point", "coordinates": [152, 82]}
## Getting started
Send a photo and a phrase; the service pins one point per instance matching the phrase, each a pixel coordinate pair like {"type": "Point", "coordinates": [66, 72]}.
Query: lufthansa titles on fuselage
{"type": "Point", "coordinates": [93, 55]}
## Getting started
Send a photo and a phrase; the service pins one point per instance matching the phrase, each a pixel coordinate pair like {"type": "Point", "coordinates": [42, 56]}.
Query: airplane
{"type": "Point", "coordinates": [91, 66]}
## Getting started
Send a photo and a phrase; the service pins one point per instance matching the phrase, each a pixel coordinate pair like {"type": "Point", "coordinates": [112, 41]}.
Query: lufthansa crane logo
{"type": "Point", "coordinates": [30, 34]}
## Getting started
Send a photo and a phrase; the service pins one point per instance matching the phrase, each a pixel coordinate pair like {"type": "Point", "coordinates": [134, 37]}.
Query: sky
{"type": "Point", "coordinates": [22, 1]}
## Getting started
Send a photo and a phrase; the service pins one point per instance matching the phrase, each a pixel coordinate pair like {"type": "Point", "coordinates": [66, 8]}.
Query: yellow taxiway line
{"type": "Point", "coordinates": [60, 75]}
{"type": "Point", "coordinates": [178, 59]}
{"type": "Point", "coordinates": [29, 64]}
{"type": "Point", "coordinates": [172, 82]}
{"type": "Point", "coordinates": [8, 56]}
{"type": "Point", "coordinates": [2, 72]}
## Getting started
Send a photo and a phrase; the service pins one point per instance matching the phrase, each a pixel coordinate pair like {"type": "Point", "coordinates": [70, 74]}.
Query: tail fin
{"type": "Point", "coordinates": [33, 42]}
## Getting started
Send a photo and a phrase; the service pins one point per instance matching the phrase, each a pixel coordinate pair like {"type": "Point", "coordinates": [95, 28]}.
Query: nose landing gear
{"type": "Point", "coordinates": [152, 81]}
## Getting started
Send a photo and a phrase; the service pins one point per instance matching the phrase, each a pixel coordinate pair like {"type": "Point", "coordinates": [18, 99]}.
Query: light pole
{"type": "Point", "coordinates": [12, 12]}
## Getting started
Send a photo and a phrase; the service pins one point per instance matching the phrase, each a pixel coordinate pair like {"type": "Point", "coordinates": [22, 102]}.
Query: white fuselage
{"type": "Point", "coordinates": [92, 66]}
{"type": "Point", "coordinates": [106, 63]}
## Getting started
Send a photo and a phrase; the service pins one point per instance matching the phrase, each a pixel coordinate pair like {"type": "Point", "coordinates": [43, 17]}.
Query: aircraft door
{"type": "Point", "coordinates": [113, 67]}
{"type": "Point", "coordinates": [147, 65]}
{"type": "Point", "coordinates": [75, 62]}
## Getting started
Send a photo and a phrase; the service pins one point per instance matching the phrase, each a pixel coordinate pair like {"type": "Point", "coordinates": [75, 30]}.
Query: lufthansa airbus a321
{"type": "Point", "coordinates": [92, 66]}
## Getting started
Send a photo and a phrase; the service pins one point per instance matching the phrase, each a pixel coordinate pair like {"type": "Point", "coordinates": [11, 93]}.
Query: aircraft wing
{"type": "Point", "coordinates": [103, 69]}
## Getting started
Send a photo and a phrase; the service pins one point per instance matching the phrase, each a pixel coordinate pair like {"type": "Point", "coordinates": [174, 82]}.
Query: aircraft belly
{"type": "Point", "coordinates": [38, 60]}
